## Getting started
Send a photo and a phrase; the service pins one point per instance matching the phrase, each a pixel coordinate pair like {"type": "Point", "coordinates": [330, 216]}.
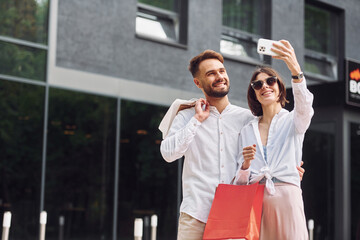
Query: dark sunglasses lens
{"type": "Point", "coordinates": [271, 81]}
{"type": "Point", "coordinates": [257, 85]}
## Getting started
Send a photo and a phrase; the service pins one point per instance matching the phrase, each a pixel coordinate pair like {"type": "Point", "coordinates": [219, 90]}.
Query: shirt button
{"type": "Point", "coordinates": [221, 132]}
{"type": "Point", "coordinates": [222, 181]}
{"type": "Point", "coordinates": [222, 166]}
{"type": "Point", "coordinates": [220, 149]}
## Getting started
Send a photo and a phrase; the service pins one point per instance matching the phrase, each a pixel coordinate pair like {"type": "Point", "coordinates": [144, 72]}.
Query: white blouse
{"type": "Point", "coordinates": [284, 144]}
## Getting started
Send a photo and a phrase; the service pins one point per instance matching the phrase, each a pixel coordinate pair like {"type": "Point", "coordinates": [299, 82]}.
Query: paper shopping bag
{"type": "Point", "coordinates": [235, 212]}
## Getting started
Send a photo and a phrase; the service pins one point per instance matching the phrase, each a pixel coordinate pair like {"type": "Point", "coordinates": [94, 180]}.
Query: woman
{"type": "Point", "coordinates": [272, 147]}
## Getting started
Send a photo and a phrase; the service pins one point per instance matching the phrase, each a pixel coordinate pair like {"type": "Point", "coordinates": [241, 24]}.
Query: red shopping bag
{"type": "Point", "coordinates": [235, 212]}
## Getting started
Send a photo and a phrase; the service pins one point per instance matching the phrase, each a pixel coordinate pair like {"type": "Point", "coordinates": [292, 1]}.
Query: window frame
{"type": "Point", "coordinates": [179, 20]}
{"type": "Point", "coordinates": [334, 61]}
{"type": "Point", "coordinates": [252, 38]}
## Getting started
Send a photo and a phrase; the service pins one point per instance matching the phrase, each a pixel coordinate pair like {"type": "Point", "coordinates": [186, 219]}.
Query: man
{"type": "Point", "coordinates": [207, 135]}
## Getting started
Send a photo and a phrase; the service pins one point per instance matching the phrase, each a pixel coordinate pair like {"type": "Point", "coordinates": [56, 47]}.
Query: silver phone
{"type": "Point", "coordinates": [264, 46]}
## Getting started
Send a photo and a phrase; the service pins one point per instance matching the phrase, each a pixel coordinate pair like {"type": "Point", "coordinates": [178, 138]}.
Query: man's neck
{"type": "Point", "coordinates": [219, 103]}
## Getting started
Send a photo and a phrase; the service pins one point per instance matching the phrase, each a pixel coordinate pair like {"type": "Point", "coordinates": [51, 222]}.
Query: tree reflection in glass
{"type": "Point", "coordinates": [21, 61]}
{"type": "Point", "coordinates": [80, 165]}
{"type": "Point", "coordinates": [147, 184]}
{"type": "Point", "coordinates": [21, 136]}
{"type": "Point", "coordinates": [24, 19]}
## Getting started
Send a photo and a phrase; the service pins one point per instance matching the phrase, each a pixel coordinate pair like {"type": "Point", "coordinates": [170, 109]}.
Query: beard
{"type": "Point", "coordinates": [217, 94]}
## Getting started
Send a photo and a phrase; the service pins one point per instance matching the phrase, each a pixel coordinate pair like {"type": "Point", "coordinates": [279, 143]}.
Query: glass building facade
{"type": "Point", "coordinates": [97, 166]}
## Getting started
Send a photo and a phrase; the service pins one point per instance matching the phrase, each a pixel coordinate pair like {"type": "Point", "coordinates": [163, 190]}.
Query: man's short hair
{"type": "Point", "coordinates": [207, 54]}
{"type": "Point", "coordinates": [254, 104]}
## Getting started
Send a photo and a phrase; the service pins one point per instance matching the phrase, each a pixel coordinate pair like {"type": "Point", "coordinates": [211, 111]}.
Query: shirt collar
{"type": "Point", "coordinates": [213, 109]}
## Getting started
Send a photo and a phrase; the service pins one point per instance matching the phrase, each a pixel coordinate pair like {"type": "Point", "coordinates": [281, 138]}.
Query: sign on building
{"type": "Point", "coordinates": [353, 83]}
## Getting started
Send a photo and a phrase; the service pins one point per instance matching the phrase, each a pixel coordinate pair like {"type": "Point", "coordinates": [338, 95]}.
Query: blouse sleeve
{"type": "Point", "coordinates": [303, 110]}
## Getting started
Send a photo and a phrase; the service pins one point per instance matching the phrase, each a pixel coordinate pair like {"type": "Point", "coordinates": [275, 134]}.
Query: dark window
{"type": "Point", "coordinates": [147, 184]}
{"type": "Point", "coordinates": [318, 182]}
{"type": "Point", "coordinates": [21, 137]}
{"type": "Point", "coordinates": [243, 24]}
{"type": "Point", "coordinates": [355, 180]}
{"type": "Point", "coordinates": [164, 20]}
{"type": "Point", "coordinates": [80, 165]}
{"type": "Point", "coordinates": [164, 4]}
{"type": "Point", "coordinates": [321, 42]}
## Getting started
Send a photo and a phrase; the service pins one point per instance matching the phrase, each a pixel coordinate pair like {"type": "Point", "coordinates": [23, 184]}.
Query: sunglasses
{"type": "Point", "coordinates": [258, 84]}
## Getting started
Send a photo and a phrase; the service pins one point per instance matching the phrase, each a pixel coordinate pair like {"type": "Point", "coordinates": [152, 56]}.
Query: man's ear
{"type": "Point", "coordinates": [197, 82]}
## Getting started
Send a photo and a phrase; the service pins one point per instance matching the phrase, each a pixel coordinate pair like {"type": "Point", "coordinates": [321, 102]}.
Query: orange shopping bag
{"type": "Point", "coordinates": [235, 212]}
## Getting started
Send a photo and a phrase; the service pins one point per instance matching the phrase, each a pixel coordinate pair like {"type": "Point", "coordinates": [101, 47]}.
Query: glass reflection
{"type": "Point", "coordinates": [80, 165]}
{"type": "Point", "coordinates": [165, 4]}
{"type": "Point", "coordinates": [238, 47]}
{"type": "Point", "coordinates": [242, 15]}
{"type": "Point", "coordinates": [320, 26]}
{"type": "Point", "coordinates": [21, 61]}
{"type": "Point", "coordinates": [21, 131]}
{"type": "Point", "coordinates": [147, 184]}
{"type": "Point", "coordinates": [24, 19]}
{"type": "Point", "coordinates": [318, 182]}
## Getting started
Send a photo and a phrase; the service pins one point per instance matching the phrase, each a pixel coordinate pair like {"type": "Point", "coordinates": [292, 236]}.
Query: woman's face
{"type": "Point", "coordinates": [267, 95]}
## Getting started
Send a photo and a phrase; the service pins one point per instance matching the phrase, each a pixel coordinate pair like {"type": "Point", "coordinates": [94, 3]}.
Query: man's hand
{"type": "Point", "coordinates": [201, 114]}
{"type": "Point", "coordinates": [248, 154]}
{"type": "Point", "coordinates": [301, 170]}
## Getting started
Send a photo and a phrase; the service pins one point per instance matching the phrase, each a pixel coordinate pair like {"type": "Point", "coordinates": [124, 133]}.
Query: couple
{"type": "Point", "coordinates": [220, 141]}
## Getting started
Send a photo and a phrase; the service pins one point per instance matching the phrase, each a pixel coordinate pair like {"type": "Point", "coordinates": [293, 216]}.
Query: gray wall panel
{"type": "Point", "coordinates": [99, 37]}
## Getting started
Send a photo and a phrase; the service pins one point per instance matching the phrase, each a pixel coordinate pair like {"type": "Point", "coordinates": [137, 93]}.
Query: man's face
{"type": "Point", "coordinates": [213, 79]}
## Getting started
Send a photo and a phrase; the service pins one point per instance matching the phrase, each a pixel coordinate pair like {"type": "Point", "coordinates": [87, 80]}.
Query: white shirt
{"type": "Point", "coordinates": [284, 144]}
{"type": "Point", "coordinates": [210, 149]}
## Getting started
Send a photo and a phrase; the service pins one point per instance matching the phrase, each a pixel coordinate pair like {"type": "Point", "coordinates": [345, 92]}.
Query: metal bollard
{"type": "Point", "coordinates": [154, 223]}
{"type": "Point", "coordinates": [138, 229]}
{"type": "Point", "coordinates": [311, 229]}
{"type": "Point", "coordinates": [6, 225]}
{"type": "Point", "coordinates": [43, 218]}
{"type": "Point", "coordinates": [61, 227]}
{"type": "Point", "coordinates": [146, 228]}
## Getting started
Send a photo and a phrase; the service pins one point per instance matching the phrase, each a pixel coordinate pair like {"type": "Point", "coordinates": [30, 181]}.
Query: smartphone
{"type": "Point", "coordinates": [264, 46]}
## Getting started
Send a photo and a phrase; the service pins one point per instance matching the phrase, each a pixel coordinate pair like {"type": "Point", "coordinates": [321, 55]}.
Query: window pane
{"type": "Point", "coordinates": [24, 19]}
{"type": "Point", "coordinates": [321, 67]}
{"type": "Point", "coordinates": [318, 182]}
{"type": "Point", "coordinates": [243, 15]}
{"type": "Point", "coordinates": [155, 26]}
{"type": "Point", "coordinates": [355, 180]}
{"type": "Point", "coordinates": [21, 139]}
{"type": "Point", "coordinates": [165, 4]}
{"type": "Point", "coordinates": [238, 47]}
{"type": "Point", "coordinates": [147, 184]}
{"type": "Point", "coordinates": [21, 61]}
{"type": "Point", "coordinates": [80, 165]}
{"type": "Point", "coordinates": [320, 29]}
